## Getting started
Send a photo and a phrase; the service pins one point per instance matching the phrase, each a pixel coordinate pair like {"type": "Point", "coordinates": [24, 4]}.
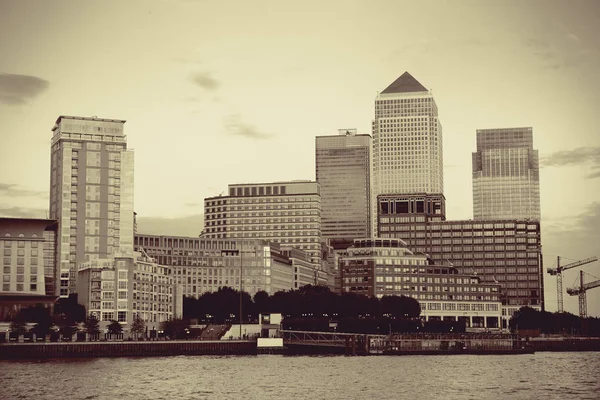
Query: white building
{"type": "Point", "coordinates": [91, 192]}
{"type": "Point", "coordinates": [119, 287]}
{"type": "Point", "coordinates": [407, 141]}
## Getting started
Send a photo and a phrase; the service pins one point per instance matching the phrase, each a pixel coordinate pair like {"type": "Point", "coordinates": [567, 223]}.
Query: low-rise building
{"type": "Point", "coordinates": [503, 251]}
{"type": "Point", "coordinates": [123, 286]}
{"type": "Point", "coordinates": [201, 265]}
{"type": "Point", "coordinates": [386, 267]}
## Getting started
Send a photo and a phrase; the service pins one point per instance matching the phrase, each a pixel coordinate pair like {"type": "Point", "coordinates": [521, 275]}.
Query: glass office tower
{"type": "Point", "coordinates": [506, 175]}
{"type": "Point", "coordinates": [343, 169]}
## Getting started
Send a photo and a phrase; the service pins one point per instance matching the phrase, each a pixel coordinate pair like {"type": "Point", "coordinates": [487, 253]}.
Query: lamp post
{"type": "Point", "coordinates": [241, 272]}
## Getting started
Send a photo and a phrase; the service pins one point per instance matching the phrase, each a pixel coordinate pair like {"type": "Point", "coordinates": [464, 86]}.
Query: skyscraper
{"type": "Point", "coordinates": [506, 175]}
{"type": "Point", "coordinates": [343, 167]}
{"type": "Point", "coordinates": [91, 193]}
{"type": "Point", "coordinates": [407, 141]}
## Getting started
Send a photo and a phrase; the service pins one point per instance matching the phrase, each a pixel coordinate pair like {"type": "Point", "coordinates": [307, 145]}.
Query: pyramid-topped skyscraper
{"type": "Point", "coordinates": [406, 83]}
{"type": "Point", "coordinates": [407, 141]}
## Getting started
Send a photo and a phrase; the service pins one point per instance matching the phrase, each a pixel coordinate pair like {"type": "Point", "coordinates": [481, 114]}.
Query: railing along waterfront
{"type": "Point", "coordinates": [409, 343]}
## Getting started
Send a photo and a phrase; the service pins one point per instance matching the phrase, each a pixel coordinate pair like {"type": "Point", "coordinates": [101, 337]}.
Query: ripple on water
{"type": "Point", "coordinates": [547, 375]}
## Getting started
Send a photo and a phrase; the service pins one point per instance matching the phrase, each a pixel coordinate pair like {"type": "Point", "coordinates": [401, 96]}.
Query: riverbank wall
{"type": "Point", "coordinates": [565, 344]}
{"type": "Point", "coordinates": [126, 349]}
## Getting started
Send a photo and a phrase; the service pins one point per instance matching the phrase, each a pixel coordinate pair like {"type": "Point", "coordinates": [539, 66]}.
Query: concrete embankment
{"type": "Point", "coordinates": [565, 344]}
{"type": "Point", "coordinates": [126, 349]}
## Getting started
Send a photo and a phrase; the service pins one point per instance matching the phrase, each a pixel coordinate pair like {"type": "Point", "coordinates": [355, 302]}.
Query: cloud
{"type": "Point", "coordinates": [18, 89]}
{"type": "Point", "coordinates": [23, 212]}
{"type": "Point", "coordinates": [594, 174]}
{"type": "Point", "coordinates": [12, 190]}
{"type": "Point", "coordinates": [578, 156]}
{"type": "Point", "coordinates": [190, 225]}
{"type": "Point", "coordinates": [564, 52]}
{"type": "Point", "coordinates": [205, 81]}
{"type": "Point", "coordinates": [235, 126]}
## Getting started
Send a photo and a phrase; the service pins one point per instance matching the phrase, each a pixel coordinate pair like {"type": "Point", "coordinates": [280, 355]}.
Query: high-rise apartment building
{"type": "Point", "coordinates": [506, 175]}
{"type": "Point", "coordinates": [343, 169]}
{"type": "Point", "coordinates": [407, 141]}
{"type": "Point", "coordinates": [288, 213]}
{"type": "Point", "coordinates": [91, 193]}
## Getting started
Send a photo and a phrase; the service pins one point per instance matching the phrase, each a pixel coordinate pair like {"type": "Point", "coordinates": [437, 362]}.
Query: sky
{"type": "Point", "coordinates": [221, 92]}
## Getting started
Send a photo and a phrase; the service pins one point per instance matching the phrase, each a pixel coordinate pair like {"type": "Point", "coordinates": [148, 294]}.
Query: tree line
{"type": "Point", "coordinates": [223, 306]}
{"type": "Point", "coordinates": [527, 318]}
{"type": "Point", "coordinates": [68, 318]}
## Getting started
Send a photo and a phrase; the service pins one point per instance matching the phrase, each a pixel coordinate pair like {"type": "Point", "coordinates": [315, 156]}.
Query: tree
{"type": "Point", "coordinates": [91, 325]}
{"type": "Point", "coordinates": [175, 328]}
{"type": "Point", "coordinates": [18, 325]}
{"type": "Point", "coordinates": [138, 326]}
{"type": "Point", "coordinates": [66, 326]}
{"type": "Point", "coordinates": [70, 309]}
{"type": "Point", "coordinates": [43, 322]}
{"type": "Point", "coordinates": [261, 302]}
{"type": "Point", "coordinates": [115, 328]}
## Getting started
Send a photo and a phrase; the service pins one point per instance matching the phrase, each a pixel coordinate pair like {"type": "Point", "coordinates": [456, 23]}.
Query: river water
{"type": "Point", "coordinates": [536, 376]}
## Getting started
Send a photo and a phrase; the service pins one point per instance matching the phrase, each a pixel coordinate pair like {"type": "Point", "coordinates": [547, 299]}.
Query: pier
{"type": "Point", "coordinates": [402, 344]}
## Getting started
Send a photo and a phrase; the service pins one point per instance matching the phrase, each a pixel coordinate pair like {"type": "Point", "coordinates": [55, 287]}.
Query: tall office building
{"type": "Point", "coordinates": [343, 167]}
{"type": "Point", "coordinates": [506, 175]}
{"type": "Point", "coordinates": [91, 193]}
{"type": "Point", "coordinates": [288, 213]}
{"type": "Point", "coordinates": [407, 141]}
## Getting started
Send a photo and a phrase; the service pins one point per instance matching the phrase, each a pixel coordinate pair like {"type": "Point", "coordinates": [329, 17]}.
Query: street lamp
{"type": "Point", "coordinates": [241, 272]}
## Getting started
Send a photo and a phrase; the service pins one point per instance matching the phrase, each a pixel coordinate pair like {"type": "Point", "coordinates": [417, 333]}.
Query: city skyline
{"type": "Point", "coordinates": [196, 93]}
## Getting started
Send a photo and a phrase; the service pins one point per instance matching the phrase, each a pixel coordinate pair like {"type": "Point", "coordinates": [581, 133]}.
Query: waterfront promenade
{"type": "Point", "coordinates": [299, 342]}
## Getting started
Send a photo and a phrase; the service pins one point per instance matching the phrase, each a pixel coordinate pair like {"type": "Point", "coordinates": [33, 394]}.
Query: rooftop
{"type": "Point", "coordinates": [94, 118]}
{"type": "Point", "coordinates": [406, 83]}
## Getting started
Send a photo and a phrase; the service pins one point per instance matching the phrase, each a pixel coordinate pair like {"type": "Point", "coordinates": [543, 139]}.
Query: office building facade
{"type": "Point", "coordinates": [506, 175]}
{"type": "Point", "coordinates": [201, 265]}
{"type": "Point", "coordinates": [504, 251]}
{"type": "Point", "coordinates": [407, 141]}
{"type": "Point", "coordinates": [288, 213]}
{"type": "Point", "coordinates": [91, 192]}
{"type": "Point", "coordinates": [28, 249]}
{"type": "Point", "coordinates": [343, 171]}
{"type": "Point", "coordinates": [386, 267]}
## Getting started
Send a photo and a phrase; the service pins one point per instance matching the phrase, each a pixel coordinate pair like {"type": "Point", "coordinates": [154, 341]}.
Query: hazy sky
{"type": "Point", "coordinates": [219, 92]}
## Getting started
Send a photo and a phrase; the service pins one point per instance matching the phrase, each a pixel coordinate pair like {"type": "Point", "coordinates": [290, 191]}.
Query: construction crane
{"type": "Point", "coordinates": [581, 291]}
{"type": "Point", "coordinates": [558, 273]}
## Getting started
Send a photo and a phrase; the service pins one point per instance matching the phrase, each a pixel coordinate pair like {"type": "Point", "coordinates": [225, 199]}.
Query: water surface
{"type": "Point", "coordinates": [536, 376]}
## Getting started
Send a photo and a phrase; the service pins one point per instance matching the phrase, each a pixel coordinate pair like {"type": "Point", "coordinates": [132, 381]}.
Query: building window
{"type": "Point", "coordinates": [122, 316]}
